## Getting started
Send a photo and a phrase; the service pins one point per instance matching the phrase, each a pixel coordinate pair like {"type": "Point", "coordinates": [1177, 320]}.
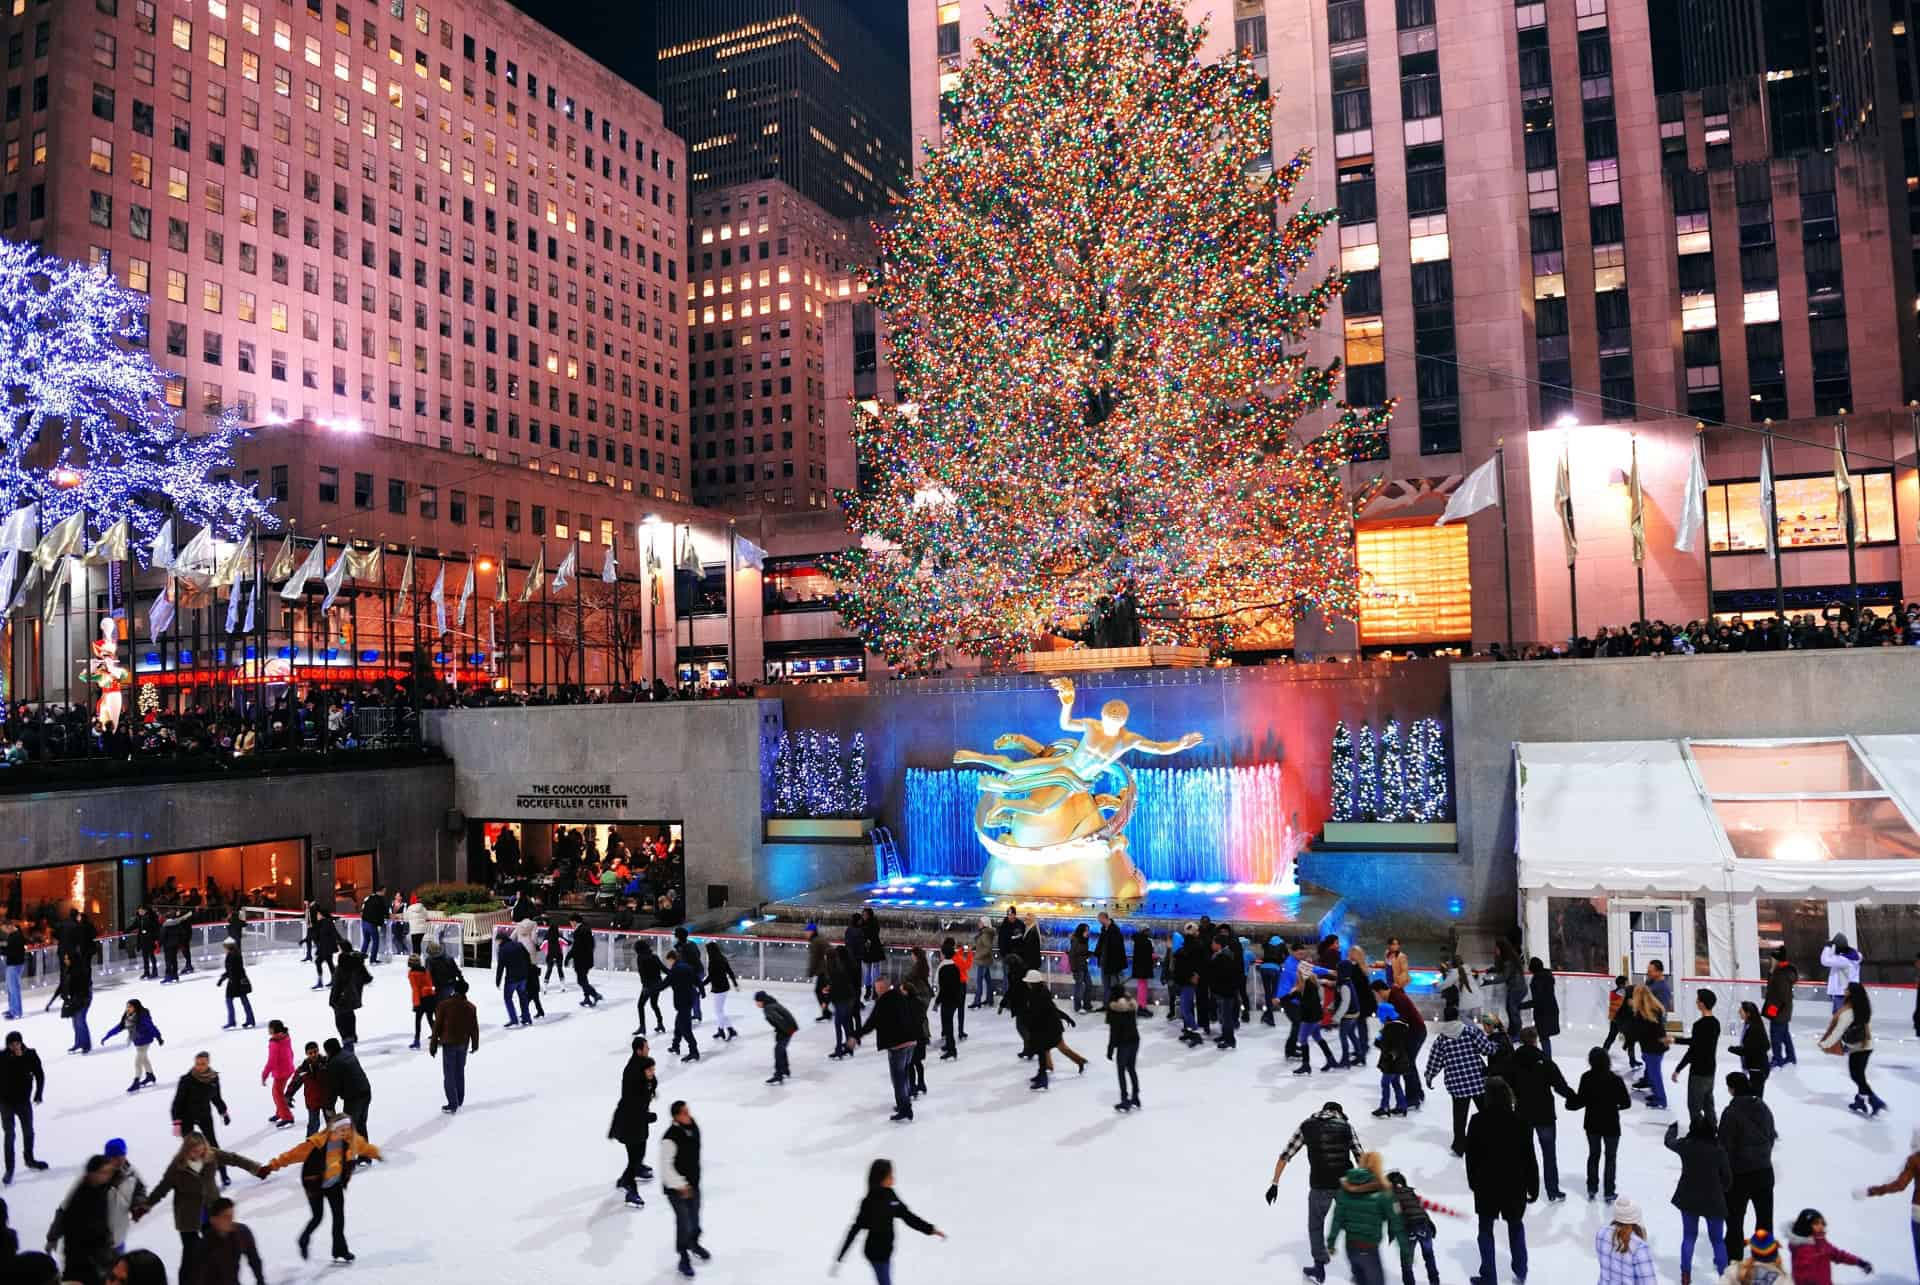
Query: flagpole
{"type": "Point", "coordinates": [386, 605]}
{"type": "Point", "coordinates": [1639, 567]}
{"type": "Point", "coordinates": [66, 621]}
{"type": "Point", "coordinates": [546, 629]}
{"type": "Point", "coordinates": [1853, 572]}
{"type": "Point", "coordinates": [653, 613]}
{"type": "Point", "coordinates": [506, 615]}
{"type": "Point", "coordinates": [1773, 536]}
{"type": "Point", "coordinates": [1506, 547]}
{"type": "Point", "coordinates": [1706, 524]}
{"type": "Point", "coordinates": [579, 627]}
{"type": "Point", "coordinates": [616, 640]}
{"type": "Point", "coordinates": [733, 537]}
{"type": "Point", "coordinates": [262, 630]}
{"type": "Point", "coordinates": [413, 643]}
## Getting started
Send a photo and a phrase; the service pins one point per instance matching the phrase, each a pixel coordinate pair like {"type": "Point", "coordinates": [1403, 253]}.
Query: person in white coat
{"type": "Point", "coordinates": [1842, 963]}
{"type": "Point", "coordinates": [416, 917]}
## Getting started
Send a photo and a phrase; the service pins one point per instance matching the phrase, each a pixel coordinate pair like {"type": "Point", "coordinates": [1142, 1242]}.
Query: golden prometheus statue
{"type": "Point", "coordinates": [1045, 821]}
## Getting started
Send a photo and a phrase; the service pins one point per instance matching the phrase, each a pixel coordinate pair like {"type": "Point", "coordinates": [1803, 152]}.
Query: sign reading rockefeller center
{"type": "Point", "coordinates": [570, 796]}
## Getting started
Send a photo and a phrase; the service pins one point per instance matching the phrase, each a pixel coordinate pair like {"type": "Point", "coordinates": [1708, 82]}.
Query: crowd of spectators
{"type": "Point", "coordinates": [1837, 625]}
{"type": "Point", "coordinates": [47, 732]}
{"type": "Point", "coordinates": [575, 694]}
{"type": "Point", "coordinates": [638, 883]}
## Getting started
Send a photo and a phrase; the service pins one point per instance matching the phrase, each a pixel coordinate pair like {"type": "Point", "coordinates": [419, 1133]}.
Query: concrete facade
{"type": "Point", "coordinates": [1813, 693]}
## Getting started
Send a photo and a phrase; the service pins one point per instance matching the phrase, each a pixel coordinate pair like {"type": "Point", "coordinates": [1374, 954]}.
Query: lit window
{"type": "Point", "coordinates": [1427, 238]}
{"type": "Point", "coordinates": [1365, 341]}
{"type": "Point", "coordinates": [217, 50]}
{"type": "Point", "coordinates": [244, 306]}
{"type": "Point", "coordinates": [1697, 312]}
{"type": "Point", "coordinates": [250, 19]}
{"type": "Point", "coordinates": [101, 159]}
{"type": "Point", "coordinates": [1359, 247]}
{"type": "Point", "coordinates": [176, 285]}
{"type": "Point", "coordinates": [210, 296]}
{"type": "Point", "coordinates": [182, 33]}
{"type": "Point", "coordinates": [1761, 307]}
{"type": "Point", "coordinates": [176, 183]}
{"type": "Point", "coordinates": [1691, 233]}
{"type": "Point", "coordinates": [279, 315]}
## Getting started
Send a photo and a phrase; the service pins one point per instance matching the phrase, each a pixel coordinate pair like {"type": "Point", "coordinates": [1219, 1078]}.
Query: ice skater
{"type": "Point", "coordinates": [1395, 1063]}
{"type": "Point", "coordinates": [350, 979]}
{"type": "Point", "coordinates": [233, 972]}
{"type": "Point", "coordinates": [580, 953]}
{"type": "Point", "coordinates": [278, 1072]}
{"type": "Point", "coordinates": [632, 1115]}
{"type": "Point", "coordinates": [1603, 1096]}
{"type": "Point", "coordinates": [326, 1163]}
{"type": "Point", "coordinates": [721, 983]}
{"type": "Point", "coordinates": [1814, 1256]}
{"type": "Point", "coordinates": [1909, 1176]}
{"type": "Point", "coordinates": [512, 969]}
{"type": "Point", "coordinates": [653, 980]}
{"type": "Point", "coordinates": [553, 943]}
{"type": "Point", "coordinates": [347, 1078]}
{"type": "Point", "coordinates": [1417, 1230]}
{"type": "Point", "coordinates": [421, 996]}
{"type": "Point", "coordinates": [456, 1033]}
{"type": "Point", "coordinates": [895, 1029]}
{"type": "Point", "coordinates": [141, 1033]}
{"type": "Point", "coordinates": [190, 1183]}
{"type": "Point", "coordinates": [1047, 1031]}
{"type": "Point", "coordinates": [843, 993]}
{"type": "Point", "coordinates": [325, 939]}
{"type": "Point", "coordinates": [1701, 1194]}
{"type": "Point", "coordinates": [1850, 1031]}
{"type": "Point", "coordinates": [196, 1097]}
{"type": "Point", "coordinates": [950, 994]}
{"type": "Point", "coordinates": [373, 924]}
{"type": "Point", "coordinates": [176, 940]}
{"type": "Point", "coordinates": [416, 921]}
{"type": "Point", "coordinates": [23, 1083]}
{"type": "Point", "coordinates": [225, 1246]}
{"type": "Point", "coordinates": [314, 1083]}
{"type": "Point", "coordinates": [1365, 1209]}
{"type": "Point", "coordinates": [1332, 1150]}
{"type": "Point", "coordinates": [1504, 1177]}
{"type": "Point", "coordinates": [76, 997]}
{"type": "Point", "coordinates": [878, 1211]}
{"type": "Point", "coordinates": [680, 1175]}
{"type": "Point", "coordinates": [685, 982]}
{"type": "Point", "coordinates": [784, 1028]}
{"type": "Point", "coordinates": [1747, 1133]}
{"type": "Point", "coordinates": [1123, 1048]}
{"type": "Point", "coordinates": [1303, 1009]}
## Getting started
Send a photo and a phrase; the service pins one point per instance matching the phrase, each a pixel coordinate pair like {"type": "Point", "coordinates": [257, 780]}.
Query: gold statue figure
{"type": "Point", "coordinates": [1044, 820]}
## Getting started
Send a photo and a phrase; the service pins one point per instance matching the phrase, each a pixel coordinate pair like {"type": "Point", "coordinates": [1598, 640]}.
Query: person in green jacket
{"type": "Point", "coordinates": [1364, 1208]}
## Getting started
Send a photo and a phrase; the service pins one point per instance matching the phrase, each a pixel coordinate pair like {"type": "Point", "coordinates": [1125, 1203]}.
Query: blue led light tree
{"type": "Point", "coordinates": [89, 408]}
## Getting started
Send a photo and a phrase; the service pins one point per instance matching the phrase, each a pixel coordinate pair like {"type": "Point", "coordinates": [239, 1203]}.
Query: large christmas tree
{"type": "Point", "coordinates": [1097, 330]}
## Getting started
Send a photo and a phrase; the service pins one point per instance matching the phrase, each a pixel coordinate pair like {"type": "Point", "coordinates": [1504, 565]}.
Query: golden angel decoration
{"type": "Point", "coordinates": [1053, 822]}
{"type": "Point", "coordinates": [104, 670]}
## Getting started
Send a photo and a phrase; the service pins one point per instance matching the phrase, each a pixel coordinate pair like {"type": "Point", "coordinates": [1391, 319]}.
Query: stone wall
{"type": "Point", "coordinates": [1761, 695]}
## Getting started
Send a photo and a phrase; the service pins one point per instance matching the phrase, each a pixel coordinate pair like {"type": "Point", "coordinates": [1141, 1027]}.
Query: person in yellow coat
{"type": "Point", "coordinates": [326, 1163]}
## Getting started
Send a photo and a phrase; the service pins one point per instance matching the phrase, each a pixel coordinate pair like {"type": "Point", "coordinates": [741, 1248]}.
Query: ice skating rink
{"type": "Point", "coordinates": [1033, 1187]}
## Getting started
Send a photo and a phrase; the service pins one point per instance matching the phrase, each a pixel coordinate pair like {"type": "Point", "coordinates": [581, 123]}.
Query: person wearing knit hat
{"type": "Point", "coordinates": [1396, 1062]}
{"type": "Point", "coordinates": [1621, 1247]}
{"type": "Point", "coordinates": [1761, 1265]}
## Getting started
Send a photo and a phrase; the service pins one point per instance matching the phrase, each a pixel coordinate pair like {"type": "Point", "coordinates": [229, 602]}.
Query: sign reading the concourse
{"type": "Point", "coordinates": [569, 796]}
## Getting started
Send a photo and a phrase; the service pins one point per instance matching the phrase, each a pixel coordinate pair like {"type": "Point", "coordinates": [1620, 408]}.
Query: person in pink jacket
{"type": "Point", "coordinates": [1814, 1255]}
{"type": "Point", "coordinates": [278, 1070]}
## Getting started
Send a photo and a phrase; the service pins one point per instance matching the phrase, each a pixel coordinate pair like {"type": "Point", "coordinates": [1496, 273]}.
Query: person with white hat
{"type": "Point", "coordinates": [1621, 1246]}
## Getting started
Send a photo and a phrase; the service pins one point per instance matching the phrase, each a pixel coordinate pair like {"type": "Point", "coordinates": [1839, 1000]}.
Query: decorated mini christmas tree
{"type": "Point", "coordinates": [1097, 325]}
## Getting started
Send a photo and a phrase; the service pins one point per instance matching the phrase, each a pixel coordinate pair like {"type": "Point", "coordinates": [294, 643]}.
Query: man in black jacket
{"type": "Point", "coordinates": [1332, 1149]}
{"type": "Point", "coordinates": [1703, 1047]}
{"type": "Point", "coordinates": [373, 924]}
{"type": "Point", "coordinates": [631, 1117]}
{"type": "Point", "coordinates": [950, 995]}
{"type": "Point", "coordinates": [195, 1098]}
{"type": "Point", "coordinates": [784, 1029]}
{"type": "Point", "coordinates": [349, 1079]}
{"type": "Point", "coordinates": [895, 1027]}
{"type": "Point", "coordinates": [1535, 1080]}
{"type": "Point", "coordinates": [22, 1082]}
{"type": "Point", "coordinates": [1224, 979]}
{"type": "Point", "coordinates": [350, 978]}
{"type": "Point", "coordinates": [581, 953]}
{"type": "Point", "coordinates": [1503, 1176]}
{"type": "Point", "coordinates": [16, 960]}
{"type": "Point", "coordinates": [680, 1175]}
{"type": "Point", "coordinates": [1747, 1135]}
{"type": "Point", "coordinates": [1111, 955]}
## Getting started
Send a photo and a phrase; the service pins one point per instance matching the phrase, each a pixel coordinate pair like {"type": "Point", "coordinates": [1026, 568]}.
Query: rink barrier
{"type": "Point", "coordinates": [117, 954]}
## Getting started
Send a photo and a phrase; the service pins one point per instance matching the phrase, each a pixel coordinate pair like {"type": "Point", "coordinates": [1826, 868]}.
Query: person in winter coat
{"type": "Point", "coordinates": [1225, 980]}
{"type": "Point", "coordinates": [1814, 1255]}
{"type": "Point", "coordinates": [1754, 1050]}
{"type": "Point", "coordinates": [125, 1189]}
{"type": "Point", "coordinates": [325, 939]}
{"type": "Point", "coordinates": [722, 981]}
{"type": "Point", "coordinates": [843, 993]}
{"type": "Point", "coordinates": [314, 1083]}
{"type": "Point", "coordinates": [1535, 1080]}
{"type": "Point", "coordinates": [1110, 953]}
{"type": "Point", "coordinates": [1850, 1031]}
{"type": "Point", "coordinates": [1747, 1135]}
{"type": "Point", "coordinates": [1351, 1014]}
{"type": "Point", "coordinates": [22, 1083]}
{"type": "Point", "coordinates": [1395, 1063]}
{"type": "Point", "coordinates": [1047, 1031]}
{"type": "Point", "coordinates": [1778, 1008]}
{"type": "Point", "coordinates": [632, 1114]}
{"type": "Point", "coordinates": [512, 970]}
{"type": "Point", "coordinates": [1603, 1096]}
{"type": "Point", "coordinates": [580, 953]}
{"type": "Point", "coordinates": [1647, 1027]}
{"type": "Point", "coordinates": [75, 994]}
{"type": "Point", "coordinates": [456, 1033]}
{"type": "Point", "coordinates": [195, 1099]}
{"type": "Point", "coordinates": [1616, 1020]}
{"type": "Point", "coordinates": [350, 981]}
{"type": "Point", "coordinates": [784, 1028]}
{"type": "Point", "coordinates": [1416, 1229]}
{"type": "Point", "coordinates": [680, 1174]}
{"type": "Point", "coordinates": [1123, 1048]}
{"type": "Point", "coordinates": [1504, 1179]}
{"type": "Point", "coordinates": [278, 1071]}
{"type": "Point", "coordinates": [417, 922]}
{"type": "Point", "coordinates": [653, 982]}
{"type": "Point", "coordinates": [985, 952]}
{"type": "Point", "coordinates": [1700, 1059]}
{"type": "Point", "coordinates": [420, 996]}
{"type": "Point", "coordinates": [1701, 1193]}
{"type": "Point", "coordinates": [1332, 1151]}
{"type": "Point", "coordinates": [1459, 1055]}
{"type": "Point", "coordinates": [190, 1183]}
{"type": "Point", "coordinates": [441, 969]}
{"type": "Point", "coordinates": [234, 974]}
{"type": "Point", "coordinates": [346, 1077]}
{"type": "Point", "coordinates": [1761, 1264]}
{"type": "Point", "coordinates": [326, 1163]}
{"type": "Point", "coordinates": [873, 953]}
{"type": "Point", "coordinates": [1909, 1175]}
{"type": "Point", "coordinates": [817, 952]}
{"type": "Point", "coordinates": [879, 1209]}
{"type": "Point", "coordinates": [1365, 1209]}
{"type": "Point", "coordinates": [1409, 1013]}
{"type": "Point", "coordinates": [146, 936]}
{"type": "Point", "coordinates": [373, 924]}
{"type": "Point", "coordinates": [1143, 970]}
{"type": "Point", "coordinates": [1842, 963]}
{"type": "Point", "coordinates": [684, 980]}
{"type": "Point", "coordinates": [1302, 1007]}
{"type": "Point", "coordinates": [85, 1221]}
{"type": "Point", "coordinates": [225, 1246]}
{"type": "Point", "coordinates": [1080, 964]}
{"type": "Point", "coordinates": [1621, 1246]}
{"type": "Point", "coordinates": [950, 996]}
{"type": "Point", "coordinates": [895, 1028]}
{"type": "Point", "coordinates": [1541, 999]}
{"type": "Point", "coordinates": [141, 1032]}
{"type": "Point", "coordinates": [176, 940]}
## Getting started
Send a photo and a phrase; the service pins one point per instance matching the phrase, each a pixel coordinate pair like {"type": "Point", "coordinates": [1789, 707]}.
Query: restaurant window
{"type": "Point", "coordinates": [1807, 510]}
{"type": "Point", "coordinates": [797, 584]}
{"type": "Point", "coordinates": [1414, 585]}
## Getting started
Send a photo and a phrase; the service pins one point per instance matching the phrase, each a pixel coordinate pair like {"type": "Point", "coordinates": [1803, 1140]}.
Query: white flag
{"type": "Point", "coordinates": [335, 577]}
{"type": "Point", "coordinates": [563, 573]}
{"type": "Point", "coordinates": [160, 553]}
{"type": "Point", "coordinates": [64, 539]}
{"type": "Point", "coordinates": [314, 564]}
{"type": "Point", "coordinates": [1637, 510]}
{"type": "Point", "coordinates": [610, 569]}
{"type": "Point", "coordinates": [234, 569]}
{"type": "Point", "coordinates": [1480, 490]}
{"type": "Point", "coordinates": [282, 565]}
{"type": "Point", "coordinates": [160, 614]}
{"type": "Point", "coordinates": [439, 599]}
{"type": "Point", "coordinates": [466, 596]}
{"type": "Point", "coordinates": [253, 599]}
{"type": "Point", "coordinates": [111, 546]}
{"type": "Point", "coordinates": [690, 557]}
{"type": "Point", "coordinates": [406, 573]}
{"type": "Point", "coordinates": [197, 555]}
{"type": "Point", "coordinates": [1843, 478]}
{"type": "Point", "coordinates": [21, 530]}
{"type": "Point", "coordinates": [536, 575]}
{"type": "Point", "coordinates": [234, 593]}
{"type": "Point", "coordinates": [748, 554]}
{"type": "Point", "coordinates": [9, 568]}
{"type": "Point", "coordinates": [1766, 499]}
{"type": "Point", "coordinates": [1693, 505]}
{"type": "Point", "coordinates": [1563, 504]}
{"type": "Point", "coordinates": [70, 572]}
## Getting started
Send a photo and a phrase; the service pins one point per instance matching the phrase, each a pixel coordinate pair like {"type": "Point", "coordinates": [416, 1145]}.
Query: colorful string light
{"type": "Point", "coordinates": [1097, 332]}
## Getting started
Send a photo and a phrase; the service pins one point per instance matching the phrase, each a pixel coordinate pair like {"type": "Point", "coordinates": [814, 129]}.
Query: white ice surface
{"type": "Point", "coordinates": [1034, 1187]}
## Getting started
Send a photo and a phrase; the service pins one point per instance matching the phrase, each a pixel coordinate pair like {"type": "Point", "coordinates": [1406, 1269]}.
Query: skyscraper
{"type": "Point", "coordinates": [795, 90]}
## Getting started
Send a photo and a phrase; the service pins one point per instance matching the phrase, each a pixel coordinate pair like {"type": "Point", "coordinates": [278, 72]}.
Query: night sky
{"type": "Point", "coordinates": [620, 32]}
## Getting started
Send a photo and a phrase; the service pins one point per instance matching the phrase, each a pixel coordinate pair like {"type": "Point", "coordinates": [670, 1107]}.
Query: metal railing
{"type": "Point", "coordinates": [117, 954]}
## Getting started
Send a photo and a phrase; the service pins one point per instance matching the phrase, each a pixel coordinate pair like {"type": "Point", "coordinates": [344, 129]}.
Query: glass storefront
{"type": "Point", "coordinates": [796, 584]}
{"type": "Point", "coordinates": [1807, 510]}
{"type": "Point", "coordinates": [207, 881]}
{"type": "Point", "coordinates": [566, 865]}
{"type": "Point", "coordinates": [1414, 586]}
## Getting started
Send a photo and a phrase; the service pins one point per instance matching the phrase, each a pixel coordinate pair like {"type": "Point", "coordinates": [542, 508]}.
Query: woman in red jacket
{"type": "Point", "coordinates": [277, 1071]}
